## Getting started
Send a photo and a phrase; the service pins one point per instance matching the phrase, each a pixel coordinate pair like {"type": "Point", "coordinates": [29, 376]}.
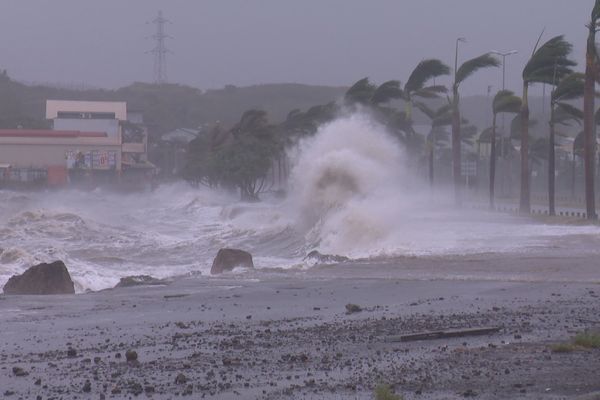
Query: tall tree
{"type": "Point", "coordinates": [365, 93]}
{"type": "Point", "coordinates": [439, 118]}
{"type": "Point", "coordinates": [463, 72]}
{"type": "Point", "coordinates": [589, 129]}
{"type": "Point", "coordinates": [547, 64]}
{"type": "Point", "coordinates": [561, 112]}
{"type": "Point", "coordinates": [505, 101]}
{"type": "Point", "coordinates": [416, 85]}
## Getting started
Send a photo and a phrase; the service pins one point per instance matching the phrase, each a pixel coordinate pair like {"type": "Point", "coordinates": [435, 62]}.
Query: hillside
{"type": "Point", "coordinates": [171, 106]}
{"type": "Point", "coordinates": [166, 106]}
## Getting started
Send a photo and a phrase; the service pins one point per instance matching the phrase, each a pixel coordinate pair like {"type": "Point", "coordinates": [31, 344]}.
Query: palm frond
{"type": "Point", "coordinates": [430, 92]}
{"type": "Point", "coordinates": [386, 91]}
{"type": "Point", "coordinates": [425, 109]}
{"type": "Point", "coordinates": [471, 66]}
{"type": "Point", "coordinates": [569, 88]}
{"type": "Point", "coordinates": [443, 117]}
{"type": "Point", "coordinates": [515, 126]}
{"type": "Point", "coordinates": [566, 113]}
{"type": "Point", "coordinates": [361, 92]}
{"type": "Point", "coordinates": [423, 72]}
{"type": "Point", "coordinates": [596, 12]}
{"type": "Point", "coordinates": [506, 101]}
{"type": "Point", "coordinates": [552, 55]}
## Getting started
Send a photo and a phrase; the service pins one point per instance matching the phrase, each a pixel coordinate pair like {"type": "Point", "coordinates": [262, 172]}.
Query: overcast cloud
{"type": "Point", "coordinates": [245, 42]}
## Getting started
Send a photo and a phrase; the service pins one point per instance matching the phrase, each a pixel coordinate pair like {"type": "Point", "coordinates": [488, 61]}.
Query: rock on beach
{"type": "Point", "coordinates": [42, 279]}
{"type": "Point", "coordinates": [228, 259]}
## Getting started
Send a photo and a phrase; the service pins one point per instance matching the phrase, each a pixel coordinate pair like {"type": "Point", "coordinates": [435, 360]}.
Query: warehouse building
{"type": "Point", "coordinates": [85, 144]}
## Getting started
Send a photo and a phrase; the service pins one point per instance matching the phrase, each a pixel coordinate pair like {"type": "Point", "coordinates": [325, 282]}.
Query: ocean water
{"type": "Point", "coordinates": [349, 194]}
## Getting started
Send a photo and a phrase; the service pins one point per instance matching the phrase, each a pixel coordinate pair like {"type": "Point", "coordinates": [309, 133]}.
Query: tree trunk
{"type": "Point", "coordinates": [589, 134]}
{"type": "Point", "coordinates": [431, 159]}
{"type": "Point", "coordinates": [551, 166]}
{"type": "Point", "coordinates": [525, 200]}
{"type": "Point", "coordinates": [493, 162]}
{"type": "Point", "coordinates": [456, 159]}
{"type": "Point", "coordinates": [573, 176]}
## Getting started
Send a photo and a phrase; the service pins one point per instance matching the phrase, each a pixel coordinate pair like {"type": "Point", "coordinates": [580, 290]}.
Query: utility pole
{"type": "Point", "coordinates": [160, 50]}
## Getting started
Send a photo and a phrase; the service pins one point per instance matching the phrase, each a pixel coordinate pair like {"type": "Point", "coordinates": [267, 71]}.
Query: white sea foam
{"type": "Point", "coordinates": [349, 194]}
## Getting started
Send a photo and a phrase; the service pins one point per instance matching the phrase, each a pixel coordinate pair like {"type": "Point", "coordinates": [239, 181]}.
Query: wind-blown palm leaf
{"type": "Point", "coordinates": [423, 72]}
{"type": "Point", "coordinates": [486, 135]}
{"type": "Point", "coordinates": [539, 149]}
{"type": "Point", "coordinates": [361, 92]}
{"type": "Point", "coordinates": [386, 91]}
{"type": "Point", "coordinates": [430, 92]}
{"type": "Point", "coordinates": [549, 62]}
{"type": "Point", "coordinates": [440, 117]}
{"type": "Point", "coordinates": [596, 11]}
{"type": "Point", "coordinates": [566, 113]}
{"type": "Point", "coordinates": [505, 101]}
{"type": "Point", "coordinates": [515, 127]}
{"type": "Point", "coordinates": [425, 109]}
{"type": "Point", "coordinates": [471, 66]}
{"type": "Point", "coordinates": [569, 88]}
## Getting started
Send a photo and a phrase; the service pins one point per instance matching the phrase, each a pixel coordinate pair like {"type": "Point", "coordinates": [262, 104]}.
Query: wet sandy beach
{"type": "Point", "coordinates": [272, 335]}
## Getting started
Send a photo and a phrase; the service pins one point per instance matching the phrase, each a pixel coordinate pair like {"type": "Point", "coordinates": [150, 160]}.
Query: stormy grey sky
{"type": "Point", "coordinates": [243, 42]}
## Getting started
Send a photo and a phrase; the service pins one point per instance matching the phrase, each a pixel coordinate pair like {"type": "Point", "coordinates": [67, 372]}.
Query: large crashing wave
{"type": "Point", "coordinates": [349, 186]}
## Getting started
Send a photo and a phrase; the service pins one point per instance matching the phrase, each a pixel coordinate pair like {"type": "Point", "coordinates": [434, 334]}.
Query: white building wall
{"type": "Point", "coordinates": [109, 126]}
{"type": "Point", "coordinates": [53, 107]}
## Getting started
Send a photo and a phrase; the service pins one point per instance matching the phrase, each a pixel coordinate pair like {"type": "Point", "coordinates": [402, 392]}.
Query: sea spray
{"type": "Point", "coordinates": [349, 186]}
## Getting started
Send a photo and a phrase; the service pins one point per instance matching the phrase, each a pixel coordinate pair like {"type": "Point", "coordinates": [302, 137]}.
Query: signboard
{"type": "Point", "coordinates": [96, 159]}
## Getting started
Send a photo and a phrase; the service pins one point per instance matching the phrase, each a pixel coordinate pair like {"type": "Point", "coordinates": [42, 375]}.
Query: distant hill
{"type": "Point", "coordinates": [170, 106]}
{"type": "Point", "coordinates": [166, 106]}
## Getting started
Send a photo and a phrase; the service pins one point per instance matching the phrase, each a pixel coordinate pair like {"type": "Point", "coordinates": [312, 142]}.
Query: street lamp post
{"type": "Point", "coordinates": [462, 40]}
{"type": "Point", "coordinates": [503, 55]}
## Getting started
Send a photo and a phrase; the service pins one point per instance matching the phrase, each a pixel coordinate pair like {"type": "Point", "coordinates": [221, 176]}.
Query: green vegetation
{"type": "Point", "coordinates": [563, 348]}
{"type": "Point", "coordinates": [548, 64]}
{"type": "Point", "coordinates": [583, 340]}
{"type": "Point", "coordinates": [467, 69]}
{"type": "Point", "coordinates": [240, 157]}
{"type": "Point", "coordinates": [385, 392]}
{"type": "Point", "coordinates": [590, 340]}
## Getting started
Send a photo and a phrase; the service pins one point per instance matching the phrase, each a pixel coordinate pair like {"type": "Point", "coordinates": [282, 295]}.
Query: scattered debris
{"type": "Point", "coordinates": [432, 335]}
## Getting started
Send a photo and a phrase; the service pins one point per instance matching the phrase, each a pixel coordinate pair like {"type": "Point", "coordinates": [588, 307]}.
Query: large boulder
{"type": "Point", "coordinates": [228, 259]}
{"type": "Point", "coordinates": [43, 278]}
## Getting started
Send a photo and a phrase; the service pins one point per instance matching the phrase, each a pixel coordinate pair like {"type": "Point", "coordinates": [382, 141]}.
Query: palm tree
{"type": "Point", "coordinates": [505, 101]}
{"type": "Point", "coordinates": [547, 64]}
{"type": "Point", "coordinates": [460, 75]}
{"type": "Point", "coordinates": [439, 118]}
{"type": "Point", "coordinates": [374, 98]}
{"type": "Point", "coordinates": [589, 150]}
{"type": "Point", "coordinates": [415, 85]}
{"type": "Point", "coordinates": [561, 112]}
{"type": "Point", "coordinates": [365, 93]}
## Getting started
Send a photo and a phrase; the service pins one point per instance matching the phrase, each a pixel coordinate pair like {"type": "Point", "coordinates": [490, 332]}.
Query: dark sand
{"type": "Point", "coordinates": [274, 335]}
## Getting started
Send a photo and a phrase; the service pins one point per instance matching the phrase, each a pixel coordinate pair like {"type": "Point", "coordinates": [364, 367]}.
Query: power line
{"type": "Point", "coordinates": [160, 50]}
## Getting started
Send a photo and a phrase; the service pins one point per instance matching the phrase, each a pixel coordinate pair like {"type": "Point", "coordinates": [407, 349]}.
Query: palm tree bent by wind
{"type": "Point", "coordinates": [463, 72]}
{"type": "Point", "coordinates": [547, 64]}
